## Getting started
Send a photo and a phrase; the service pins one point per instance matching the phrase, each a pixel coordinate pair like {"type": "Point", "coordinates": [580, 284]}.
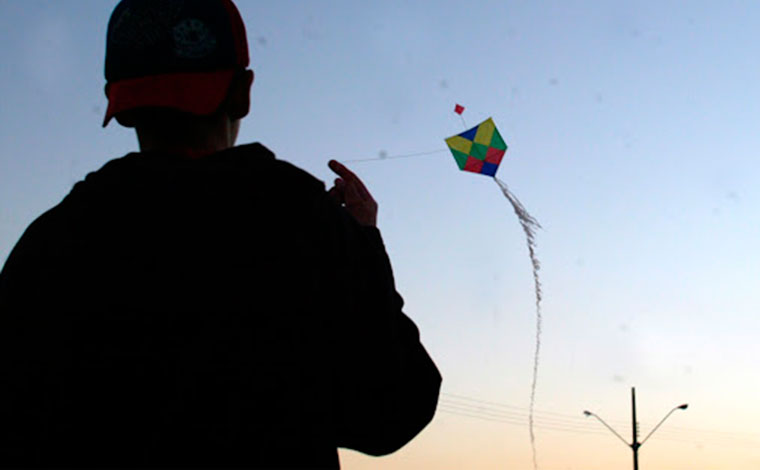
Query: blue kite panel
{"type": "Point", "coordinates": [470, 135]}
{"type": "Point", "coordinates": [489, 169]}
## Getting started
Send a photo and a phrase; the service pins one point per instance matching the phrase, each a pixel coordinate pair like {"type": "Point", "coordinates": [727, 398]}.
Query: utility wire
{"type": "Point", "coordinates": [521, 422]}
{"type": "Point", "coordinates": [461, 398]}
{"type": "Point", "coordinates": [552, 421]}
{"type": "Point", "coordinates": [753, 444]}
{"type": "Point", "coordinates": [521, 416]}
{"type": "Point", "coordinates": [518, 417]}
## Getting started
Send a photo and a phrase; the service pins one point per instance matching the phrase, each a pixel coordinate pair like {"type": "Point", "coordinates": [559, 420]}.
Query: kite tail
{"type": "Point", "coordinates": [529, 226]}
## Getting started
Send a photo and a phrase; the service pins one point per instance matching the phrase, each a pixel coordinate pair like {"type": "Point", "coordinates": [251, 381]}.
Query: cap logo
{"type": "Point", "coordinates": [142, 26]}
{"type": "Point", "coordinates": [193, 39]}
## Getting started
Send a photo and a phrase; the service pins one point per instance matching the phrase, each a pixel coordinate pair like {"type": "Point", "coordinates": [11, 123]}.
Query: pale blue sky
{"type": "Point", "coordinates": [633, 134]}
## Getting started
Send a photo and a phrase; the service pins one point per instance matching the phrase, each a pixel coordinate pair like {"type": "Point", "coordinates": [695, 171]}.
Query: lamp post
{"type": "Point", "coordinates": [636, 444]}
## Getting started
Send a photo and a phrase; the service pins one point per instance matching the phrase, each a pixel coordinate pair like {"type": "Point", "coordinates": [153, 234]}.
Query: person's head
{"type": "Point", "coordinates": [176, 71]}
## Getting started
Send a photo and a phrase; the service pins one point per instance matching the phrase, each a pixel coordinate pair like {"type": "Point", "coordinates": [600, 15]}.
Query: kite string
{"type": "Point", "coordinates": [529, 226]}
{"type": "Point", "coordinates": [391, 157]}
{"type": "Point", "coordinates": [405, 155]}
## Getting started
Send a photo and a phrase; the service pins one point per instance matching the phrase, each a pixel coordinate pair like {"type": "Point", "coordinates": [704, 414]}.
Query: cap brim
{"type": "Point", "coordinates": [198, 93]}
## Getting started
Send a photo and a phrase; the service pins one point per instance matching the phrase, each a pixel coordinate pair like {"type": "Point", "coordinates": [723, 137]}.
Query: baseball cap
{"type": "Point", "coordinates": [179, 54]}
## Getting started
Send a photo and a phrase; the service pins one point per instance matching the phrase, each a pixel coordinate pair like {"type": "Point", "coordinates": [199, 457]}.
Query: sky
{"type": "Point", "coordinates": [633, 139]}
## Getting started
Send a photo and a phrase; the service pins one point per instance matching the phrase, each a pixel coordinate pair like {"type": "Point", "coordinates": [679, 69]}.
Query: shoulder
{"type": "Point", "coordinates": [262, 160]}
{"type": "Point", "coordinates": [282, 184]}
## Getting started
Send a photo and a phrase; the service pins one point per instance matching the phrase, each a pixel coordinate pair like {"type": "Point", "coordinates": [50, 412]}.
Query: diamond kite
{"type": "Point", "coordinates": [479, 149]}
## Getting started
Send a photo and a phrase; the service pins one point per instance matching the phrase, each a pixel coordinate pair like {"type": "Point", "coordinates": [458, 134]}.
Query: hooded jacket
{"type": "Point", "coordinates": [221, 311]}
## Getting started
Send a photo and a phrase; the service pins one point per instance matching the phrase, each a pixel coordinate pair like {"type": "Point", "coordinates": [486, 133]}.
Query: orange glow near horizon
{"type": "Point", "coordinates": [455, 442]}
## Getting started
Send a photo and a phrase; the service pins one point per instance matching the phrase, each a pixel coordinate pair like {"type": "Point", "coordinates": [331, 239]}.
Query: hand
{"type": "Point", "coordinates": [350, 192]}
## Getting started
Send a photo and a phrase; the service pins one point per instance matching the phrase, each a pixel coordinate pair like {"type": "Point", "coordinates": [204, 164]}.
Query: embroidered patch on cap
{"type": "Point", "coordinates": [193, 39]}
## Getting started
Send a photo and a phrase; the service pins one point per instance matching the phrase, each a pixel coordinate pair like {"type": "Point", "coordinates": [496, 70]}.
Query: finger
{"type": "Point", "coordinates": [335, 165]}
{"type": "Point", "coordinates": [340, 188]}
{"type": "Point", "coordinates": [351, 178]}
{"type": "Point", "coordinates": [338, 191]}
{"type": "Point", "coordinates": [363, 189]}
{"type": "Point", "coordinates": [352, 193]}
{"type": "Point", "coordinates": [335, 195]}
{"type": "Point", "coordinates": [342, 171]}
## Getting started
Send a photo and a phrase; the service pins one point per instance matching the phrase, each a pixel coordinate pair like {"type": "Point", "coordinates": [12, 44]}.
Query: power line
{"type": "Point", "coordinates": [575, 418]}
{"type": "Point", "coordinates": [487, 417]}
{"type": "Point", "coordinates": [517, 418]}
{"type": "Point", "coordinates": [476, 408]}
{"type": "Point", "coordinates": [518, 415]}
{"type": "Point", "coordinates": [753, 444]}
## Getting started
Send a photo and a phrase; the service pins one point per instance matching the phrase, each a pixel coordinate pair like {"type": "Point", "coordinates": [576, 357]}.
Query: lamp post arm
{"type": "Point", "coordinates": [610, 428]}
{"type": "Point", "coordinates": [660, 423]}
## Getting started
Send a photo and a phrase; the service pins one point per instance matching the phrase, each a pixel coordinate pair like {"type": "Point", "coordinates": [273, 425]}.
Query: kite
{"type": "Point", "coordinates": [480, 150]}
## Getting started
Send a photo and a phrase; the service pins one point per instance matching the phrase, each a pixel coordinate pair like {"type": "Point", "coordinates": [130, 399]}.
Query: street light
{"type": "Point", "coordinates": [588, 413]}
{"type": "Point", "coordinates": [636, 444]}
{"type": "Point", "coordinates": [681, 407]}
